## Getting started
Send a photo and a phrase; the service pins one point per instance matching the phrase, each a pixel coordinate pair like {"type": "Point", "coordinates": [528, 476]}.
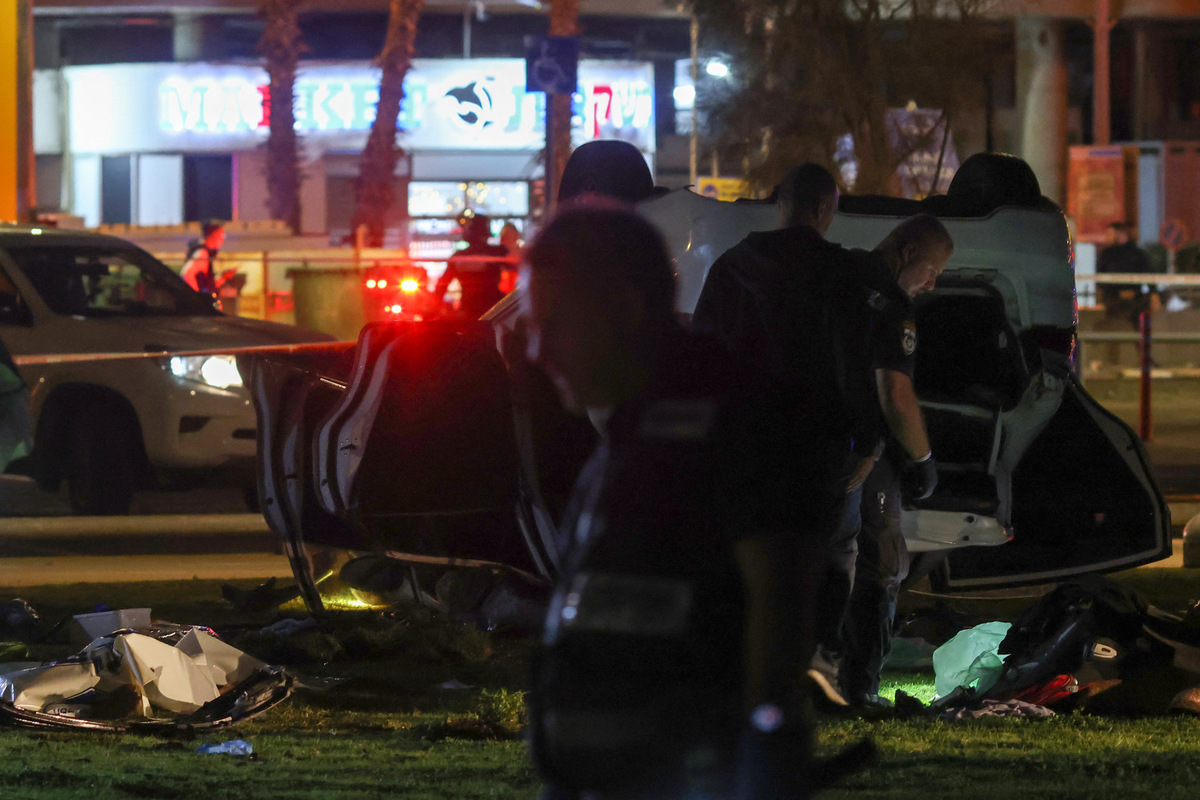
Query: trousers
{"type": "Point", "coordinates": [867, 561]}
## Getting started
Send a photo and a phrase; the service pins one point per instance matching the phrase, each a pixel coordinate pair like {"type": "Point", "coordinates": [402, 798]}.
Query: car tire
{"type": "Point", "coordinates": [100, 465]}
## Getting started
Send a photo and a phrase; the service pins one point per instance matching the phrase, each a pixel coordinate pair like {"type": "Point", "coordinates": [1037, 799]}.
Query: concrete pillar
{"type": "Point", "coordinates": [1042, 101]}
{"type": "Point", "coordinates": [188, 37]}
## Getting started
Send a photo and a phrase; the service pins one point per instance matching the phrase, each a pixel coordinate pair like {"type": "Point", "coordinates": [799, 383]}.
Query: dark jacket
{"type": "Point", "coordinates": [795, 306]}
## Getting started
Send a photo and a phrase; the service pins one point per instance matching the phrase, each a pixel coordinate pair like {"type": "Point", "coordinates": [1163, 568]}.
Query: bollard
{"type": "Point", "coordinates": [1145, 418]}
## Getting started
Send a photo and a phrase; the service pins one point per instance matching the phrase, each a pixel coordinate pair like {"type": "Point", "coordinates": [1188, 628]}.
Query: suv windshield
{"type": "Point", "coordinates": [106, 281]}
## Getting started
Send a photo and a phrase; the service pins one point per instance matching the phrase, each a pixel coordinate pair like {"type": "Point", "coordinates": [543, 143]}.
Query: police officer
{"type": "Point", "coordinates": [793, 303]}
{"type": "Point", "coordinates": [691, 545]}
{"type": "Point", "coordinates": [905, 264]}
{"type": "Point", "coordinates": [477, 275]}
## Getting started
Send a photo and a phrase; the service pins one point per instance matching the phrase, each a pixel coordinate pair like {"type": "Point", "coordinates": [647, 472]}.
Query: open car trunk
{"type": "Point", "coordinates": [1021, 443]}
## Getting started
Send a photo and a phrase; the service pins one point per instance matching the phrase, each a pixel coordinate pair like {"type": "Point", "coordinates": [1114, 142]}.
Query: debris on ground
{"type": "Point", "coordinates": [1091, 644]}
{"type": "Point", "coordinates": [160, 676]}
{"type": "Point", "coordinates": [970, 659]}
{"type": "Point", "coordinates": [997, 708]}
{"type": "Point", "coordinates": [234, 747]}
{"type": "Point", "coordinates": [87, 627]}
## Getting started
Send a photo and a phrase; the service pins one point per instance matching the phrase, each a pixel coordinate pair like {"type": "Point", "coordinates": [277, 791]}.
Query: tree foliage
{"type": "Point", "coordinates": [807, 72]}
{"type": "Point", "coordinates": [375, 187]}
{"type": "Point", "coordinates": [281, 46]}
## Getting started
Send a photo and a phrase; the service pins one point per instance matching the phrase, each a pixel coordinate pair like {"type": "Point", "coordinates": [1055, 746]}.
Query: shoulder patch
{"type": "Point", "coordinates": [679, 420]}
{"type": "Point", "coordinates": [908, 340]}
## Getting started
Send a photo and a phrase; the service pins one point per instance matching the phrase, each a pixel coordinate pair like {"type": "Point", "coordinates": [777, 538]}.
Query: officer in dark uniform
{"type": "Point", "coordinates": [905, 264]}
{"type": "Point", "coordinates": [478, 276]}
{"type": "Point", "coordinates": [691, 546]}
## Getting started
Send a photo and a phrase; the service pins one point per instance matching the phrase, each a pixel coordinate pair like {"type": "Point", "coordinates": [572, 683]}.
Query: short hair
{"type": "Point", "coordinates": [924, 230]}
{"type": "Point", "coordinates": [608, 167]}
{"type": "Point", "coordinates": [211, 226]}
{"type": "Point", "coordinates": [804, 188]}
{"type": "Point", "coordinates": [600, 244]}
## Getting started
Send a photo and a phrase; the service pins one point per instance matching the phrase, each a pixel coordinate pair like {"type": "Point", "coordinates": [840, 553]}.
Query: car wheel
{"type": "Point", "coordinates": [100, 464]}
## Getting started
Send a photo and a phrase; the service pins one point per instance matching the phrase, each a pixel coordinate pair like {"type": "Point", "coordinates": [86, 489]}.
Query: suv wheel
{"type": "Point", "coordinates": [100, 467]}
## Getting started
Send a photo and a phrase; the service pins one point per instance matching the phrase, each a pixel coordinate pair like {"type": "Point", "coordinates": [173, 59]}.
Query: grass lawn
{"type": "Point", "coordinates": [390, 731]}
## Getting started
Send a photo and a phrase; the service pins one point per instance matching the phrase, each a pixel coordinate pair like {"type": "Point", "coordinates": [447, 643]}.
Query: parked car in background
{"type": "Point", "coordinates": [106, 427]}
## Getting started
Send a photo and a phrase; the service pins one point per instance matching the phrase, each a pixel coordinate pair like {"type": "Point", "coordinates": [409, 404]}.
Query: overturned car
{"type": "Point", "coordinates": [421, 447]}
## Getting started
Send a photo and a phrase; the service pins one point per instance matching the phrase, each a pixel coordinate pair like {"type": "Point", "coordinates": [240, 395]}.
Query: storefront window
{"type": "Point", "coordinates": [436, 198]}
{"type": "Point", "coordinates": [499, 198]}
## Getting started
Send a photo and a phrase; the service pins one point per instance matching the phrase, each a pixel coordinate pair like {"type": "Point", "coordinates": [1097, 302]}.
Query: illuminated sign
{"type": "Point", "coordinates": [449, 104]}
{"type": "Point", "coordinates": [469, 104]}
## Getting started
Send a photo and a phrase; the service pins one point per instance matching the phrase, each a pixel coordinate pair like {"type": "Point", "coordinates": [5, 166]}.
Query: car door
{"type": "Point", "coordinates": [1084, 499]}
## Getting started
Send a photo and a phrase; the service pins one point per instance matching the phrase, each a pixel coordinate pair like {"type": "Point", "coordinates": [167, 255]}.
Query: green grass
{"type": "Point", "coordinates": [388, 732]}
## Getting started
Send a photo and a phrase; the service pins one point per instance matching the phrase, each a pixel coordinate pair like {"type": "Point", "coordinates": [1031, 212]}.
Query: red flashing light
{"type": "Point", "coordinates": [408, 285]}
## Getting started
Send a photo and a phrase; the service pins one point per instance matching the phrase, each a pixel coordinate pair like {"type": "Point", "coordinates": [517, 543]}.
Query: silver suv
{"type": "Point", "coordinates": [108, 426]}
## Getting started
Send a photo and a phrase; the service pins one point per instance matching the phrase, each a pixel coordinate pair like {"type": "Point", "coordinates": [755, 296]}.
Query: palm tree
{"type": "Point", "coordinates": [564, 21]}
{"type": "Point", "coordinates": [281, 45]}
{"type": "Point", "coordinates": [375, 188]}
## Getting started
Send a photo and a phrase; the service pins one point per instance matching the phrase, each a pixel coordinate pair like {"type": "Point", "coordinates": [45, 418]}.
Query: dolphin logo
{"type": "Point", "coordinates": [474, 103]}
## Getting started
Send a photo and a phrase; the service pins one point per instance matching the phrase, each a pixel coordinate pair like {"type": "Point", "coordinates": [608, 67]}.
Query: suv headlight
{"type": "Point", "coordinates": [220, 372]}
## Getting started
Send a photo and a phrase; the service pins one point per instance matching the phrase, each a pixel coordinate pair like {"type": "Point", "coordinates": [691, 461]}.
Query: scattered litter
{"type": "Point", "coordinates": [289, 626]}
{"type": "Point", "coordinates": [454, 683]}
{"type": "Point", "coordinates": [970, 659]}
{"type": "Point", "coordinates": [234, 747]}
{"type": "Point", "coordinates": [997, 708]}
{"type": "Point", "coordinates": [87, 627]}
{"type": "Point", "coordinates": [162, 675]}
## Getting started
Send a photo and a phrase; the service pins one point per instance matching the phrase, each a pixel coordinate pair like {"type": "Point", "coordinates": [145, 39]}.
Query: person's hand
{"type": "Point", "coordinates": [919, 478]}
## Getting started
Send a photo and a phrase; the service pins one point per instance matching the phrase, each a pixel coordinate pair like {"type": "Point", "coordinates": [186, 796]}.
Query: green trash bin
{"type": "Point", "coordinates": [329, 300]}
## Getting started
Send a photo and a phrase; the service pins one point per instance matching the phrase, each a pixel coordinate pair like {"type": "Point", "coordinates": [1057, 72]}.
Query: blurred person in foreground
{"type": "Point", "coordinates": [691, 547]}
{"type": "Point", "coordinates": [478, 268]}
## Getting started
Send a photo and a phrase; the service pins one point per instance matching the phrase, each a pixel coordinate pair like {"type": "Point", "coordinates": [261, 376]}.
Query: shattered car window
{"type": "Point", "coordinates": [102, 281]}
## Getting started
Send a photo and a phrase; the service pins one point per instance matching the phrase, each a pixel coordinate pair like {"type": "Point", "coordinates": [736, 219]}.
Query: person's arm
{"type": "Point", "coordinates": [902, 412]}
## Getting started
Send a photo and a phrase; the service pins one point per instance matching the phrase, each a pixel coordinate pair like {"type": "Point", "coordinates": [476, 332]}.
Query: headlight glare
{"type": "Point", "coordinates": [220, 372]}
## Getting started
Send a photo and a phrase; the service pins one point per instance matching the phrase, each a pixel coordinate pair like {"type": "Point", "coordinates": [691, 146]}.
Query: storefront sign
{"type": "Point", "coordinates": [1101, 190]}
{"type": "Point", "coordinates": [451, 104]}
{"type": "Point", "coordinates": [728, 189]}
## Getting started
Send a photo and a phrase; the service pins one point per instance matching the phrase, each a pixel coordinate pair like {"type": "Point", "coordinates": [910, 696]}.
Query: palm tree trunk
{"type": "Point", "coordinates": [375, 188]}
{"type": "Point", "coordinates": [564, 21]}
{"type": "Point", "coordinates": [281, 45]}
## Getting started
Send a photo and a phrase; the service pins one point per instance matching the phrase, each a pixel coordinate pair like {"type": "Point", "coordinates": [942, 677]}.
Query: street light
{"type": "Point", "coordinates": [717, 69]}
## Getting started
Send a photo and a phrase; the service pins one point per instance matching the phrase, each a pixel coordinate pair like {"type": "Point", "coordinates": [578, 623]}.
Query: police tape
{"type": "Point", "coordinates": [273, 349]}
{"type": "Point", "coordinates": [1152, 278]}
